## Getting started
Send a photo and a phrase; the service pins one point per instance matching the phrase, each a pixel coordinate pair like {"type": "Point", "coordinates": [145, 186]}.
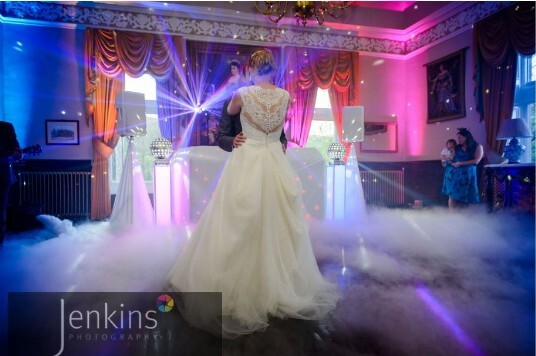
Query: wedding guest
{"type": "Point", "coordinates": [461, 183]}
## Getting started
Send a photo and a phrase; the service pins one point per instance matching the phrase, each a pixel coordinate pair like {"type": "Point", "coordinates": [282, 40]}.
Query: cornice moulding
{"type": "Point", "coordinates": [200, 23]}
{"type": "Point", "coordinates": [437, 17]}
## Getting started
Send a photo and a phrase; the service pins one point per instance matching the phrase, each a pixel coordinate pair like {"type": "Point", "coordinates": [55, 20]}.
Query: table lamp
{"type": "Point", "coordinates": [513, 129]}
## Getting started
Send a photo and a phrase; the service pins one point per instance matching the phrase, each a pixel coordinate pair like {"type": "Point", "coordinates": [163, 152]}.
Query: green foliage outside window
{"type": "Point", "coordinates": [142, 144]}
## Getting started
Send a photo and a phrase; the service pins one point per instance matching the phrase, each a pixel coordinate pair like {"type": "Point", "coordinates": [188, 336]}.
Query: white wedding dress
{"type": "Point", "coordinates": [252, 242]}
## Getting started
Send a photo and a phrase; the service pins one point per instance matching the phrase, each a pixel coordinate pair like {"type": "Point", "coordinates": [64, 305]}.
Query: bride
{"type": "Point", "coordinates": [252, 243]}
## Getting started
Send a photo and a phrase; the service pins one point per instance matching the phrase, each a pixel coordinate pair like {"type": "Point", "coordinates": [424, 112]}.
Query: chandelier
{"type": "Point", "coordinates": [302, 10]}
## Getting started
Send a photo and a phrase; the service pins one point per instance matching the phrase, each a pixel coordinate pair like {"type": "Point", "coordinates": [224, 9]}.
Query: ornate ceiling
{"type": "Point", "coordinates": [383, 29]}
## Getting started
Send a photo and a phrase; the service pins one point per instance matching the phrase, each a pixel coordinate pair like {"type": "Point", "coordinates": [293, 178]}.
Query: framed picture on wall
{"type": "Point", "coordinates": [220, 74]}
{"type": "Point", "coordinates": [62, 132]}
{"type": "Point", "coordinates": [446, 87]}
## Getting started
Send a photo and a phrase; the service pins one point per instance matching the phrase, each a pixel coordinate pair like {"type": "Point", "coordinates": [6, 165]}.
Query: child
{"type": "Point", "coordinates": [448, 152]}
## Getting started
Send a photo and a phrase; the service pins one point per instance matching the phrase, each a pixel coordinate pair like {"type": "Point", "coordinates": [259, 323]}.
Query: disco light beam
{"type": "Point", "coordinates": [443, 314]}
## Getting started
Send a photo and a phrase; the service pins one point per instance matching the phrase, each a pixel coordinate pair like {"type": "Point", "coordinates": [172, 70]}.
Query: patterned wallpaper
{"type": "Point", "coordinates": [222, 31]}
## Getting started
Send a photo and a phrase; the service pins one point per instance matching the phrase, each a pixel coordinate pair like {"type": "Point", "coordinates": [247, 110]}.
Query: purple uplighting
{"type": "Point", "coordinates": [443, 314]}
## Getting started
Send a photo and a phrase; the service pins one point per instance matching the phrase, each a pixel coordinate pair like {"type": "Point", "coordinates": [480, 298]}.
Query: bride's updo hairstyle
{"type": "Point", "coordinates": [263, 62]}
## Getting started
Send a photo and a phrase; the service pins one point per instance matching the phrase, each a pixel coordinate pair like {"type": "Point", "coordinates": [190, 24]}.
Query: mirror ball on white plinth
{"type": "Point", "coordinates": [161, 149]}
{"type": "Point", "coordinates": [335, 182]}
{"type": "Point", "coordinates": [336, 152]}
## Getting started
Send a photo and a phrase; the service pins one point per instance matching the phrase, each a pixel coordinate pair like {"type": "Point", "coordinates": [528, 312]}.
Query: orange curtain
{"type": "Point", "coordinates": [310, 69]}
{"type": "Point", "coordinates": [302, 89]}
{"type": "Point", "coordinates": [104, 141]}
{"type": "Point", "coordinates": [108, 55]}
{"type": "Point", "coordinates": [101, 90]}
{"type": "Point", "coordinates": [344, 89]}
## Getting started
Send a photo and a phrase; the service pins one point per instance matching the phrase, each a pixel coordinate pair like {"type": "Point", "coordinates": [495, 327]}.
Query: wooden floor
{"type": "Point", "coordinates": [412, 282]}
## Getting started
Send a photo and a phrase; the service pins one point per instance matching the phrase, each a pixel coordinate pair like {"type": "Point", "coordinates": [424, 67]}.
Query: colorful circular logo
{"type": "Point", "coordinates": [164, 303]}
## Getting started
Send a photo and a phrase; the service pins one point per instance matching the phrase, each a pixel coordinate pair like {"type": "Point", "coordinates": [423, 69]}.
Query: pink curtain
{"type": "Point", "coordinates": [306, 70]}
{"type": "Point", "coordinates": [302, 94]}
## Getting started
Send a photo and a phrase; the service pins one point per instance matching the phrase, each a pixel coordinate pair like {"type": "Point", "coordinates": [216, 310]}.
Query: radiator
{"type": "Point", "coordinates": [62, 194]}
{"type": "Point", "coordinates": [383, 188]}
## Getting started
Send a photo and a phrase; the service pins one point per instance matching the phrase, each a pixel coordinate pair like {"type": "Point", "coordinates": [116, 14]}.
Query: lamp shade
{"type": "Point", "coordinates": [514, 128]}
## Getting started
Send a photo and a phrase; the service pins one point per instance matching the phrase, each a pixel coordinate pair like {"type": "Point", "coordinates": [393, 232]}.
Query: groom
{"type": "Point", "coordinates": [230, 133]}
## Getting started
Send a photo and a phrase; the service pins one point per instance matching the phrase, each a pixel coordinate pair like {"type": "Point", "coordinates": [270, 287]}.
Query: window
{"type": "Point", "coordinates": [146, 85]}
{"type": "Point", "coordinates": [524, 101]}
{"type": "Point", "coordinates": [532, 121]}
{"type": "Point", "coordinates": [322, 132]}
{"type": "Point", "coordinates": [526, 70]}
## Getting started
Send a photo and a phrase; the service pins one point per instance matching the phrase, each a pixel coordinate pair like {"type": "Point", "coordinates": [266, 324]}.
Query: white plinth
{"type": "Point", "coordinates": [335, 191]}
{"type": "Point", "coordinates": [162, 194]}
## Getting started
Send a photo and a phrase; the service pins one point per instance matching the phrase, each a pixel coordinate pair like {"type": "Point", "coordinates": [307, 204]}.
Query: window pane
{"type": "Point", "coordinates": [524, 101]}
{"type": "Point", "coordinates": [516, 112]}
{"type": "Point", "coordinates": [143, 151]}
{"type": "Point", "coordinates": [146, 85]}
{"type": "Point", "coordinates": [322, 132]}
{"type": "Point", "coordinates": [532, 121]}
{"type": "Point", "coordinates": [322, 99]}
{"type": "Point", "coordinates": [532, 75]}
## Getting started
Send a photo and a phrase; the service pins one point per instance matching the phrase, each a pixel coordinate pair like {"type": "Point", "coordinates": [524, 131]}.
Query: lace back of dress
{"type": "Point", "coordinates": [263, 112]}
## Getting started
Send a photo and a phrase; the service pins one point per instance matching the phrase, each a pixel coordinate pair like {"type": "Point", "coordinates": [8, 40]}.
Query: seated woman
{"type": "Point", "coordinates": [460, 182]}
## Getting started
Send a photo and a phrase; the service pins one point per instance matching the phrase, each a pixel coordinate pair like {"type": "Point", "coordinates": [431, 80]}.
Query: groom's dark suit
{"type": "Point", "coordinates": [230, 126]}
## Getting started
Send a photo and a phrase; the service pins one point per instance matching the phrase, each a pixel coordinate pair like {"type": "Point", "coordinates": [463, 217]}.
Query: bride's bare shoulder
{"type": "Point", "coordinates": [236, 103]}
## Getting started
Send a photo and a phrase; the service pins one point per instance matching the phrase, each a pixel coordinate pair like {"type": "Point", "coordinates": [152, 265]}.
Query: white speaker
{"type": "Point", "coordinates": [131, 118]}
{"type": "Point", "coordinates": [353, 123]}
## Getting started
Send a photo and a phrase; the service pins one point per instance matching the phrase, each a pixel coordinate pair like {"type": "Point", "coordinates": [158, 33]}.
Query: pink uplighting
{"type": "Point", "coordinates": [162, 194]}
{"type": "Point", "coordinates": [180, 200]}
{"type": "Point", "coordinates": [399, 6]}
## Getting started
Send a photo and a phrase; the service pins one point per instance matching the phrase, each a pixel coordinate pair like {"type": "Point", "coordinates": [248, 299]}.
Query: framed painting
{"type": "Point", "coordinates": [219, 71]}
{"type": "Point", "coordinates": [62, 132]}
{"type": "Point", "coordinates": [446, 87]}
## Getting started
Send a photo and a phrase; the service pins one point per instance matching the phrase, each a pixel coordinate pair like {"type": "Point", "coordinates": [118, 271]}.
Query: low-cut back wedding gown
{"type": "Point", "coordinates": [252, 242]}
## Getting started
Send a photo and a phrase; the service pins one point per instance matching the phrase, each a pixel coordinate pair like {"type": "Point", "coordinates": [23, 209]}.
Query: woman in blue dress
{"type": "Point", "coordinates": [460, 182]}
